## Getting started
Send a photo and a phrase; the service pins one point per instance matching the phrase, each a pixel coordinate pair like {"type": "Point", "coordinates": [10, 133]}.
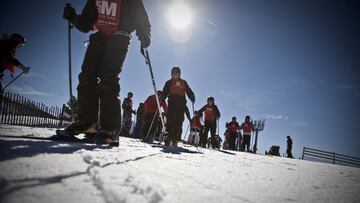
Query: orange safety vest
{"type": "Point", "coordinates": [177, 87]}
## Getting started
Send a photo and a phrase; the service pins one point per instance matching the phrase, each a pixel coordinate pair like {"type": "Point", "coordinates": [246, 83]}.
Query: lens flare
{"type": "Point", "coordinates": [180, 15]}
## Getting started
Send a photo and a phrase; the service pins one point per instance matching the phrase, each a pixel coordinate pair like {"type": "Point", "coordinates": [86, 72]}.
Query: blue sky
{"type": "Point", "coordinates": [294, 63]}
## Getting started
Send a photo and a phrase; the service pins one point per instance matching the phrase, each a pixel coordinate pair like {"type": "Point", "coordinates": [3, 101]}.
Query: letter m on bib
{"type": "Point", "coordinates": [108, 16]}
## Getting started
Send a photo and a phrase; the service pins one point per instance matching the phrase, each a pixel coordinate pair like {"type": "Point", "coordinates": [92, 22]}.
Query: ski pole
{"type": "Point", "coordinates": [69, 55]}
{"type": "Point", "coordinates": [187, 129]}
{"type": "Point", "coordinates": [151, 125]}
{"type": "Point", "coordinates": [193, 122]}
{"type": "Point", "coordinates": [13, 80]}
{"type": "Point", "coordinates": [148, 62]}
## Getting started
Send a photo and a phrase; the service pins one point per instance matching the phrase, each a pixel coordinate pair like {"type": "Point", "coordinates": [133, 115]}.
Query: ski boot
{"type": "Point", "coordinates": [74, 129]}
{"type": "Point", "coordinates": [107, 137]}
{"type": "Point", "coordinates": [174, 143]}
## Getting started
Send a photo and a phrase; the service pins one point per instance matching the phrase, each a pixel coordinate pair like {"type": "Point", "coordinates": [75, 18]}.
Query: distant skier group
{"type": "Point", "coordinates": [148, 123]}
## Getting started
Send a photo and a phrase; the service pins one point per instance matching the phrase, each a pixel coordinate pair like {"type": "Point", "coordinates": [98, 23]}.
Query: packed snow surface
{"type": "Point", "coordinates": [53, 171]}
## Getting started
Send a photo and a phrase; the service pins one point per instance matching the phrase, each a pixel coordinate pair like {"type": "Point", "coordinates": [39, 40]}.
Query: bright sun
{"type": "Point", "coordinates": [180, 15]}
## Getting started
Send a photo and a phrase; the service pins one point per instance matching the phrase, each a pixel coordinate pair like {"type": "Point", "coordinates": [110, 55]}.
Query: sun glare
{"type": "Point", "coordinates": [180, 15]}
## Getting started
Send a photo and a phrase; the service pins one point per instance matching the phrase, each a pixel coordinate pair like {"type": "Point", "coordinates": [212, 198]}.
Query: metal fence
{"type": "Point", "coordinates": [333, 157]}
{"type": "Point", "coordinates": [18, 110]}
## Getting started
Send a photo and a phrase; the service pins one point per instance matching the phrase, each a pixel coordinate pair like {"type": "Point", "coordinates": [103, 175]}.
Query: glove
{"type": "Point", "coordinates": [69, 13]}
{"type": "Point", "coordinates": [145, 41]}
{"type": "Point", "coordinates": [24, 69]}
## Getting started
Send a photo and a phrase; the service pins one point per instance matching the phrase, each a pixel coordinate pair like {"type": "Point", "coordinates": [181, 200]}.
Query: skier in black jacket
{"type": "Point", "coordinates": [127, 114]}
{"type": "Point", "coordinates": [289, 147]}
{"type": "Point", "coordinates": [115, 20]}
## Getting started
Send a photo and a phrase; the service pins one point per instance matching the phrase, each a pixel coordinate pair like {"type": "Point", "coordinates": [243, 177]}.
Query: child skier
{"type": "Point", "coordinates": [175, 89]}
{"type": "Point", "coordinates": [247, 128]}
{"type": "Point", "coordinates": [195, 129]}
{"type": "Point", "coordinates": [127, 111]}
{"type": "Point", "coordinates": [289, 147]}
{"type": "Point", "coordinates": [212, 114]}
{"type": "Point", "coordinates": [104, 59]}
{"type": "Point", "coordinates": [139, 121]}
{"type": "Point", "coordinates": [233, 127]}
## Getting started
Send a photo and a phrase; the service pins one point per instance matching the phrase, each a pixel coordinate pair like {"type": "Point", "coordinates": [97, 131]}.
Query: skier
{"type": "Point", "coordinates": [212, 114]}
{"type": "Point", "coordinates": [247, 128]}
{"type": "Point", "coordinates": [139, 121]}
{"type": "Point", "coordinates": [127, 111]}
{"type": "Point", "coordinates": [175, 89]}
{"type": "Point", "coordinates": [289, 147]}
{"type": "Point", "coordinates": [195, 129]}
{"type": "Point", "coordinates": [226, 135]}
{"type": "Point", "coordinates": [8, 61]}
{"type": "Point", "coordinates": [233, 127]}
{"type": "Point", "coordinates": [151, 113]}
{"type": "Point", "coordinates": [114, 21]}
{"type": "Point", "coordinates": [238, 141]}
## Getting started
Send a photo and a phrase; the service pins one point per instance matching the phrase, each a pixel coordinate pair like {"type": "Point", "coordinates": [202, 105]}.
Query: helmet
{"type": "Point", "coordinates": [176, 70]}
{"type": "Point", "coordinates": [234, 118]}
{"type": "Point", "coordinates": [130, 93]}
{"type": "Point", "coordinates": [211, 99]}
{"type": "Point", "coordinates": [247, 118]}
{"type": "Point", "coordinates": [19, 39]}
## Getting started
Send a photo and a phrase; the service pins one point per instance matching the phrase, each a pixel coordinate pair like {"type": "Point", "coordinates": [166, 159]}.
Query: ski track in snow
{"type": "Point", "coordinates": [45, 171]}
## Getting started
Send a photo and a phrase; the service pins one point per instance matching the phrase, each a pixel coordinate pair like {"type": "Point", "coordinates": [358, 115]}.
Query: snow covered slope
{"type": "Point", "coordinates": [48, 171]}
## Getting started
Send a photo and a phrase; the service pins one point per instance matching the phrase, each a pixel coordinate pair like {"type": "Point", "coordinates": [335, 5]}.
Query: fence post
{"type": "Point", "coordinates": [302, 157]}
{"type": "Point", "coordinates": [33, 113]}
{"type": "Point", "coordinates": [16, 107]}
{"type": "Point", "coordinates": [3, 106]}
{"type": "Point", "coordinates": [333, 157]}
{"type": "Point", "coordinates": [21, 121]}
{"type": "Point", "coordinates": [8, 109]}
{"type": "Point", "coordinates": [37, 104]}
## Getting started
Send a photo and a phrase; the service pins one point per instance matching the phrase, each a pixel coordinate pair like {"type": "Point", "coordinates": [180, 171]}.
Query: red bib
{"type": "Point", "coordinates": [108, 16]}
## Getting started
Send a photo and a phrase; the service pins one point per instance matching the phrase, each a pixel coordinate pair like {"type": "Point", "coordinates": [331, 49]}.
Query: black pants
{"type": "Point", "coordinates": [175, 118]}
{"type": "Point", "coordinates": [150, 122]}
{"type": "Point", "coordinates": [232, 137]}
{"type": "Point", "coordinates": [246, 143]}
{"type": "Point", "coordinates": [126, 124]}
{"type": "Point", "coordinates": [209, 126]}
{"type": "Point", "coordinates": [288, 151]}
{"type": "Point", "coordinates": [103, 59]}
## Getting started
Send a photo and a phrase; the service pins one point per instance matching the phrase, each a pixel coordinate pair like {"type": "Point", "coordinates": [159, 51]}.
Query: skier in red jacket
{"type": "Point", "coordinates": [247, 128]}
{"type": "Point", "coordinates": [212, 114]}
{"type": "Point", "coordinates": [150, 115]}
{"type": "Point", "coordinates": [233, 128]}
